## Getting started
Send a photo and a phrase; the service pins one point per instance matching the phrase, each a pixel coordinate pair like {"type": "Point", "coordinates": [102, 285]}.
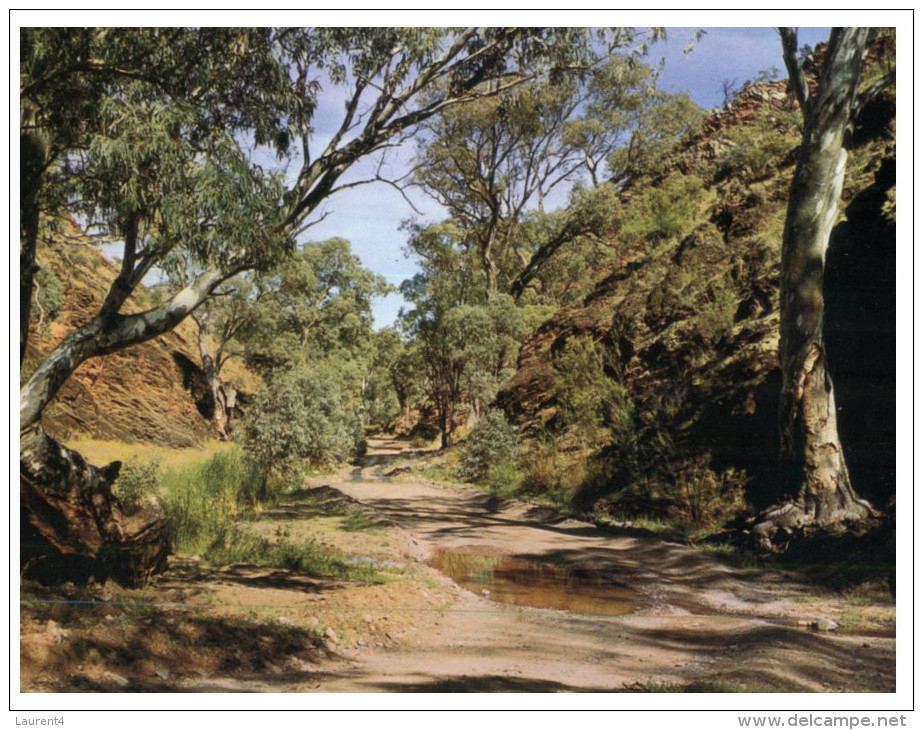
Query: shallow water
{"type": "Point", "coordinates": [531, 583]}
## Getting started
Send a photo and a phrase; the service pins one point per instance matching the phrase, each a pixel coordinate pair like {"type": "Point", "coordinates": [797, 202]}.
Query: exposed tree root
{"type": "Point", "coordinates": [72, 522]}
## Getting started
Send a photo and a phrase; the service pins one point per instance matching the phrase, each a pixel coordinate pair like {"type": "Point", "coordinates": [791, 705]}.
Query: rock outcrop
{"type": "Point", "coordinates": [152, 392]}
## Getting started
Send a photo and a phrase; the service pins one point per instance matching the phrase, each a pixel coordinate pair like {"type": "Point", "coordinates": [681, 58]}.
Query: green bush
{"type": "Point", "coordinates": [663, 212]}
{"type": "Point", "coordinates": [716, 315]}
{"type": "Point", "coordinates": [589, 393]}
{"type": "Point", "coordinates": [492, 441]}
{"type": "Point", "coordinates": [757, 150]}
{"type": "Point", "coordinates": [300, 415]}
{"type": "Point", "coordinates": [136, 483]}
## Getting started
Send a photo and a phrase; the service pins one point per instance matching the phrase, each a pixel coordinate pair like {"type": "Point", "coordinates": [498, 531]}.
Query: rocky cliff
{"type": "Point", "coordinates": [151, 392]}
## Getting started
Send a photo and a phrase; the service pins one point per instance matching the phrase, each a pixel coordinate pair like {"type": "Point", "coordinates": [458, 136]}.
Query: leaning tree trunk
{"type": "Point", "coordinates": [819, 488]}
{"type": "Point", "coordinates": [72, 524]}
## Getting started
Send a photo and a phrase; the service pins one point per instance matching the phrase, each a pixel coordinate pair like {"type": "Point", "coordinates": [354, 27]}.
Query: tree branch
{"type": "Point", "coordinates": [795, 72]}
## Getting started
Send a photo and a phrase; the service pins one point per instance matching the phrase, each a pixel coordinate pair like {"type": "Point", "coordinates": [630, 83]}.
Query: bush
{"type": "Point", "coordinates": [589, 393]}
{"type": "Point", "coordinates": [705, 498]}
{"type": "Point", "coordinates": [665, 212]}
{"type": "Point", "coordinates": [137, 482]}
{"type": "Point", "coordinates": [757, 150]}
{"type": "Point", "coordinates": [716, 315]}
{"type": "Point", "coordinates": [300, 415]}
{"type": "Point", "coordinates": [492, 441]}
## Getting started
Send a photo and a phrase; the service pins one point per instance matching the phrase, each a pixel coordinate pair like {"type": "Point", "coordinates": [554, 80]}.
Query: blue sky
{"type": "Point", "coordinates": [370, 216]}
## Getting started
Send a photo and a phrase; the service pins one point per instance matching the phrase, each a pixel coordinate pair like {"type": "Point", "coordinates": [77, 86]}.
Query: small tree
{"type": "Point", "coordinates": [301, 414]}
{"type": "Point", "coordinates": [492, 442]}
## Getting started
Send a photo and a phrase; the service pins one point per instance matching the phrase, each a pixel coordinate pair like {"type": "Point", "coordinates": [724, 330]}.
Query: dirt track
{"type": "Point", "coordinates": [697, 620]}
{"type": "Point", "coordinates": [246, 629]}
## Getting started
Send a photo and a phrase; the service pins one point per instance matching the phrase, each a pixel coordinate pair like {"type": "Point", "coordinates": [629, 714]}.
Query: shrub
{"type": "Point", "coordinates": [590, 394]}
{"type": "Point", "coordinates": [664, 212]}
{"type": "Point", "coordinates": [492, 441]}
{"type": "Point", "coordinates": [716, 315]}
{"type": "Point", "coordinates": [705, 498]}
{"type": "Point", "coordinates": [757, 150]}
{"type": "Point", "coordinates": [136, 483]}
{"type": "Point", "coordinates": [300, 415]}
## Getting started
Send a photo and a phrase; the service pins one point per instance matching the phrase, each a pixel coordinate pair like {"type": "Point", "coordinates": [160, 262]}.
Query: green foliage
{"type": "Point", "coordinates": [589, 391]}
{"type": "Point", "coordinates": [663, 212]}
{"type": "Point", "coordinates": [49, 295]}
{"type": "Point", "coordinates": [137, 481]}
{"type": "Point", "coordinates": [381, 397]}
{"type": "Point", "coordinates": [662, 121]}
{"type": "Point", "coordinates": [716, 316]}
{"type": "Point", "coordinates": [301, 415]}
{"type": "Point", "coordinates": [757, 149]}
{"type": "Point", "coordinates": [314, 304]}
{"type": "Point", "coordinates": [504, 478]}
{"type": "Point", "coordinates": [490, 449]}
{"type": "Point", "coordinates": [464, 341]}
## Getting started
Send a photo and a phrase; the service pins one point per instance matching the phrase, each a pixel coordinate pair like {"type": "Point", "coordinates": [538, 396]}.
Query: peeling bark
{"type": "Point", "coordinates": [819, 492]}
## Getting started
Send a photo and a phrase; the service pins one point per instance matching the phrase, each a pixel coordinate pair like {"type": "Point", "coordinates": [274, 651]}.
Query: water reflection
{"type": "Point", "coordinates": [529, 583]}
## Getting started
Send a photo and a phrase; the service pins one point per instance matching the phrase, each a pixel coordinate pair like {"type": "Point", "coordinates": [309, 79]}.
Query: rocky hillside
{"type": "Point", "coordinates": [688, 321]}
{"type": "Point", "coordinates": [152, 392]}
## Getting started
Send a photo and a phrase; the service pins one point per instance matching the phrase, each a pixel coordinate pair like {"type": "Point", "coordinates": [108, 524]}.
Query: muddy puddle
{"type": "Point", "coordinates": [539, 585]}
{"type": "Point", "coordinates": [379, 462]}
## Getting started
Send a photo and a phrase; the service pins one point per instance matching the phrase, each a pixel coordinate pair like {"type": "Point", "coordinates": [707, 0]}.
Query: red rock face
{"type": "Point", "coordinates": [139, 394]}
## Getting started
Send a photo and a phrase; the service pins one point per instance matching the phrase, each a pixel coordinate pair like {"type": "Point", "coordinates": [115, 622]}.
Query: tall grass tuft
{"type": "Point", "coordinates": [206, 504]}
{"type": "Point", "coordinates": [205, 500]}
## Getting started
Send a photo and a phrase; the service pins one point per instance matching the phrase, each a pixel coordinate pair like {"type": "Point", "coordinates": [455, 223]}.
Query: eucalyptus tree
{"type": "Point", "coordinates": [464, 342]}
{"type": "Point", "coordinates": [315, 305]}
{"type": "Point", "coordinates": [152, 135]}
{"type": "Point", "coordinates": [494, 164]}
{"type": "Point", "coordinates": [819, 491]}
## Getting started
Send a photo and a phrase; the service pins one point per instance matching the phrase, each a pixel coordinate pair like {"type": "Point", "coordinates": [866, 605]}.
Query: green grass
{"type": "Point", "coordinates": [357, 522]}
{"type": "Point", "coordinates": [208, 505]}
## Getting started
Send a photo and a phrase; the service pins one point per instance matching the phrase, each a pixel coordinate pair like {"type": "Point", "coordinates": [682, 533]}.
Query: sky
{"type": "Point", "coordinates": [370, 216]}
